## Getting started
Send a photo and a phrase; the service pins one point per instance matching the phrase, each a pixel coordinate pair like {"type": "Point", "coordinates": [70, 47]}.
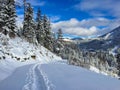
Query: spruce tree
{"type": "Point", "coordinates": [12, 17]}
{"type": "Point", "coordinates": [25, 5]}
{"type": "Point", "coordinates": [8, 13]}
{"type": "Point", "coordinates": [24, 2]}
{"type": "Point", "coordinates": [2, 9]}
{"type": "Point", "coordinates": [39, 28]}
{"type": "Point", "coordinates": [29, 25]}
{"type": "Point", "coordinates": [48, 35]}
{"type": "Point", "coordinates": [59, 42]}
{"type": "Point", "coordinates": [118, 62]}
{"type": "Point", "coordinates": [60, 34]}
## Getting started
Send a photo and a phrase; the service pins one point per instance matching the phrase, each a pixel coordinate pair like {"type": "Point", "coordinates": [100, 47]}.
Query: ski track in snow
{"type": "Point", "coordinates": [37, 80]}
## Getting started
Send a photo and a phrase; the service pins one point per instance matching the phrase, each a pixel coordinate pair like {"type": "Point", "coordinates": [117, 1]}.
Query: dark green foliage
{"type": "Point", "coordinates": [118, 62]}
{"type": "Point", "coordinates": [2, 4]}
{"type": "Point", "coordinates": [39, 17]}
{"type": "Point", "coordinates": [59, 43]}
{"type": "Point", "coordinates": [29, 25]}
{"type": "Point", "coordinates": [60, 34]}
{"type": "Point", "coordinates": [8, 17]}
{"type": "Point", "coordinates": [40, 34]}
{"type": "Point", "coordinates": [48, 34]}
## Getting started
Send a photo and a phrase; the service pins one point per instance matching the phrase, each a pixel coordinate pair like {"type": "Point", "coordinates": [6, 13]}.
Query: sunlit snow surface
{"type": "Point", "coordinates": [56, 76]}
{"type": "Point", "coordinates": [47, 71]}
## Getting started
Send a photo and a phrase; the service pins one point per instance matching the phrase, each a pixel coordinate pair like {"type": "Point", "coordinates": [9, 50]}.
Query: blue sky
{"type": "Point", "coordinates": [85, 18]}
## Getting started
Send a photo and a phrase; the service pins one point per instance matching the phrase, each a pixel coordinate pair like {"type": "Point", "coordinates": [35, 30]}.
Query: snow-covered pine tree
{"type": "Point", "coordinates": [25, 5]}
{"type": "Point", "coordinates": [8, 17]}
{"type": "Point", "coordinates": [3, 38]}
{"type": "Point", "coordinates": [54, 42]}
{"type": "Point", "coordinates": [48, 34]}
{"type": "Point", "coordinates": [60, 34]}
{"type": "Point", "coordinates": [118, 63]}
{"type": "Point", "coordinates": [59, 42]}
{"type": "Point", "coordinates": [39, 17]}
{"type": "Point", "coordinates": [40, 34]}
{"type": "Point", "coordinates": [29, 25]}
{"type": "Point", "coordinates": [2, 15]}
{"type": "Point", "coordinates": [11, 19]}
{"type": "Point", "coordinates": [24, 2]}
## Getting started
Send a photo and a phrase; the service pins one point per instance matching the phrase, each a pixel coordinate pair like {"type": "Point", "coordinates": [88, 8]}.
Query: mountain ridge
{"type": "Point", "coordinates": [104, 42]}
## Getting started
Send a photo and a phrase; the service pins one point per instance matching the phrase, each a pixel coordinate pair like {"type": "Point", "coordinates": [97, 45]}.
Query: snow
{"type": "Point", "coordinates": [57, 76]}
{"type": "Point", "coordinates": [36, 80]}
{"type": "Point", "coordinates": [113, 51]}
{"type": "Point", "coordinates": [18, 48]}
{"type": "Point", "coordinates": [92, 68]}
{"type": "Point", "coordinates": [47, 71]}
{"type": "Point", "coordinates": [8, 66]}
{"type": "Point", "coordinates": [66, 77]}
{"type": "Point", "coordinates": [67, 40]}
{"type": "Point", "coordinates": [107, 36]}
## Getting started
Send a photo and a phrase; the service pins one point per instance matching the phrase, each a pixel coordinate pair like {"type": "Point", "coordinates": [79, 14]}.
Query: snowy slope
{"type": "Point", "coordinates": [20, 50]}
{"type": "Point", "coordinates": [108, 36]}
{"type": "Point", "coordinates": [104, 42]}
{"type": "Point", "coordinates": [57, 76]}
{"type": "Point", "coordinates": [6, 68]}
{"type": "Point", "coordinates": [114, 34]}
{"type": "Point", "coordinates": [40, 69]}
{"type": "Point", "coordinates": [66, 77]}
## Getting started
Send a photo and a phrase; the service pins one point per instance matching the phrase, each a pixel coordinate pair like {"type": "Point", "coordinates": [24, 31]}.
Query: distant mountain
{"type": "Point", "coordinates": [114, 34]}
{"type": "Point", "coordinates": [77, 38]}
{"type": "Point", "coordinates": [72, 40]}
{"type": "Point", "coordinates": [67, 40]}
{"type": "Point", "coordinates": [104, 42]}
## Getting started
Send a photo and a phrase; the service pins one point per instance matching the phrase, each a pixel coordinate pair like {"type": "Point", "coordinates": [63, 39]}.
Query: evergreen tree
{"type": "Point", "coordinates": [2, 15]}
{"type": "Point", "coordinates": [24, 2]}
{"type": "Point", "coordinates": [39, 28]}
{"type": "Point", "coordinates": [8, 13]}
{"type": "Point", "coordinates": [59, 42]}
{"type": "Point", "coordinates": [25, 5]}
{"type": "Point", "coordinates": [29, 25]}
{"type": "Point", "coordinates": [12, 17]}
{"type": "Point", "coordinates": [60, 34]}
{"type": "Point", "coordinates": [118, 63]}
{"type": "Point", "coordinates": [48, 34]}
{"type": "Point", "coordinates": [39, 17]}
{"type": "Point", "coordinates": [54, 42]}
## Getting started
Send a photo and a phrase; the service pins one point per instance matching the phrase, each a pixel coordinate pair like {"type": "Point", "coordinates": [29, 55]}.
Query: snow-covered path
{"type": "Point", "coordinates": [57, 76]}
{"type": "Point", "coordinates": [35, 79]}
{"type": "Point", "coordinates": [68, 77]}
{"type": "Point", "coordinates": [16, 80]}
{"type": "Point", "coordinates": [27, 77]}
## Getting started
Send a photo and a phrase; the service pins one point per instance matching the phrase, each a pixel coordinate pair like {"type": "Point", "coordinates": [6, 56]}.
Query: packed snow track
{"type": "Point", "coordinates": [28, 77]}
{"type": "Point", "coordinates": [57, 76]}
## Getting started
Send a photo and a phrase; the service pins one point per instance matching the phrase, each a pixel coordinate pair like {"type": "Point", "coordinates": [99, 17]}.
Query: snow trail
{"type": "Point", "coordinates": [28, 77]}
{"type": "Point", "coordinates": [37, 80]}
{"type": "Point", "coordinates": [48, 83]}
{"type": "Point", "coordinates": [16, 80]}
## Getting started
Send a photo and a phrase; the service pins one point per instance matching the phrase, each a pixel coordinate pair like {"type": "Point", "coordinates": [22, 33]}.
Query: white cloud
{"type": "Point", "coordinates": [73, 26]}
{"type": "Point", "coordinates": [33, 2]}
{"type": "Point", "coordinates": [86, 27]}
{"type": "Point", "coordinates": [100, 7]}
{"type": "Point", "coordinates": [81, 31]}
{"type": "Point", "coordinates": [95, 22]}
{"type": "Point", "coordinates": [37, 2]}
{"type": "Point", "coordinates": [54, 18]}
